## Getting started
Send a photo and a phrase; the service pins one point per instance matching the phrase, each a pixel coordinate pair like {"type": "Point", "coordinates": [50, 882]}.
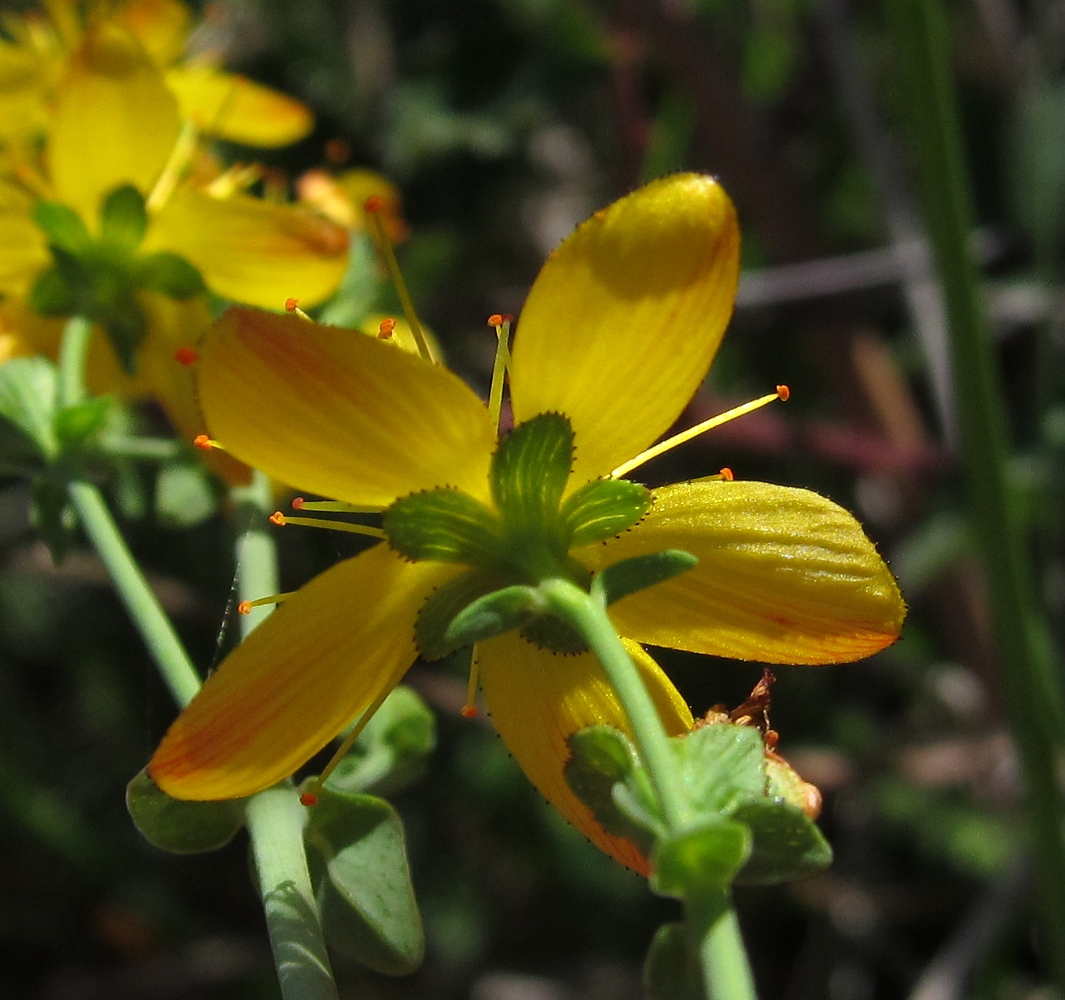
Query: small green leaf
{"type": "Point", "coordinates": [28, 400]}
{"type": "Point", "coordinates": [170, 274]}
{"type": "Point", "coordinates": [529, 471]}
{"type": "Point", "coordinates": [786, 844]}
{"type": "Point", "coordinates": [184, 494]}
{"type": "Point", "coordinates": [494, 614]}
{"type": "Point", "coordinates": [670, 971]}
{"type": "Point", "coordinates": [604, 508]}
{"type": "Point", "coordinates": [391, 750]}
{"type": "Point", "coordinates": [444, 525]}
{"type": "Point", "coordinates": [443, 605]}
{"type": "Point", "coordinates": [181, 827]}
{"type": "Point", "coordinates": [62, 225]}
{"type": "Point", "coordinates": [358, 856]}
{"type": "Point", "coordinates": [630, 575]}
{"type": "Point", "coordinates": [76, 425]}
{"type": "Point", "coordinates": [123, 218]}
{"type": "Point", "coordinates": [703, 858]}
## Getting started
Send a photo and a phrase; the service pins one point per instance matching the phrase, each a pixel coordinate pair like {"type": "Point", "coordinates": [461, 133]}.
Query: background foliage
{"type": "Point", "coordinates": [504, 123]}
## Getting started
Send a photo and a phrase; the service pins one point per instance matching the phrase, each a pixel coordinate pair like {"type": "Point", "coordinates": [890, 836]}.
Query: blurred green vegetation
{"type": "Point", "coordinates": [504, 123]}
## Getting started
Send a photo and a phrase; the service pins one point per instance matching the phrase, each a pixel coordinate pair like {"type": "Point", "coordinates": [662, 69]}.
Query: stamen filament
{"type": "Point", "coordinates": [334, 506]}
{"type": "Point", "coordinates": [678, 439]}
{"type": "Point", "coordinates": [320, 522]}
{"type": "Point", "coordinates": [293, 306]}
{"type": "Point", "coordinates": [180, 157]}
{"type": "Point", "coordinates": [500, 366]}
{"type": "Point", "coordinates": [310, 797]}
{"type": "Point", "coordinates": [384, 243]}
{"type": "Point", "coordinates": [205, 443]}
{"type": "Point", "coordinates": [469, 710]}
{"type": "Point", "coordinates": [244, 608]}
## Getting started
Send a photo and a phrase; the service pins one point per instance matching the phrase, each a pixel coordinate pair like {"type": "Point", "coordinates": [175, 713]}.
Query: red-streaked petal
{"type": "Point", "coordinates": [338, 413]}
{"type": "Point", "coordinates": [623, 321]}
{"type": "Point", "coordinates": [784, 576]}
{"type": "Point", "coordinates": [538, 699]}
{"type": "Point", "coordinates": [323, 656]}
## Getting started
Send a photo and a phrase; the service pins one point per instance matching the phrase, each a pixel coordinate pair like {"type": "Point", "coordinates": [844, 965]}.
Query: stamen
{"type": "Point", "coordinates": [386, 329]}
{"type": "Point", "coordinates": [669, 444]}
{"type": "Point", "coordinates": [238, 177]}
{"type": "Point", "coordinates": [310, 797]}
{"type": "Point", "coordinates": [338, 151]}
{"type": "Point", "coordinates": [186, 356]}
{"type": "Point", "coordinates": [501, 322]}
{"type": "Point", "coordinates": [176, 164]}
{"type": "Point", "coordinates": [469, 710]}
{"type": "Point", "coordinates": [334, 506]}
{"type": "Point", "coordinates": [244, 608]}
{"type": "Point", "coordinates": [293, 306]}
{"type": "Point", "coordinates": [204, 443]}
{"type": "Point", "coordinates": [373, 207]}
{"type": "Point", "coordinates": [320, 522]}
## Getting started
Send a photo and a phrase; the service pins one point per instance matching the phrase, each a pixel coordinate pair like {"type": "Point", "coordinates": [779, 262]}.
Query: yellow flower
{"type": "Point", "coordinates": [617, 333]}
{"type": "Point", "coordinates": [226, 105]}
{"type": "Point", "coordinates": [115, 123]}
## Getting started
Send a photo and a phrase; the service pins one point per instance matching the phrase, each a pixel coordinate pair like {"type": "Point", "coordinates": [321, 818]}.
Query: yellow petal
{"type": "Point", "coordinates": [623, 321]}
{"type": "Point", "coordinates": [233, 107]}
{"type": "Point", "coordinates": [115, 121]}
{"type": "Point", "coordinates": [538, 699]}
{"type": "Point", "coordinates": [323, 656]}
{"type": "Point", "coordinates": [161, 26]}
{"type": "Point", "coordinates": [338, 413]}
{"type": "Point", "coordinates": [253, 251]}
{"type": "Point", "coordinates": [23, 247]}
{"type": "Point", "coordinates": [784, 576]}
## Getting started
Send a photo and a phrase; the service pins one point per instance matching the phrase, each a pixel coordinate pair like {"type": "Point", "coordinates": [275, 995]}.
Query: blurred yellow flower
{"type": "Point", "coordinates": [616, 335]}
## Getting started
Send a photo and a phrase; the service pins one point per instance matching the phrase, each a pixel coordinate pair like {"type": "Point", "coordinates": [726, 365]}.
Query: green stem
{"type": "Point", "coordinates": [73, 351]}
{"type": "Point", "coordinates": [275, 818]}
{"type": "Point", "coordinates": [1029, 667]}
{"type": "Point", "coordinates": [711, 923]}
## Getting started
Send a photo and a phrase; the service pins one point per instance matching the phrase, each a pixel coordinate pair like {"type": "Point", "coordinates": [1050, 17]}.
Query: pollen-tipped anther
{"type": "Point", "coordinates": [205, 443]}
{"type": "Point", "coordinates": [186, 356]}
{"type": "Point", "coordinates": [277, 518]}
{"type": "Point", "coordinates": [386, 329]}
{"type": "Point", "coordinates": [783, 392]}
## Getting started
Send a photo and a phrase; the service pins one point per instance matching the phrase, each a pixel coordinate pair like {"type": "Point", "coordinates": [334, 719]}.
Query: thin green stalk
{"type": "Point", "coordinates": [73, 351]}
{"type": "Point", "coordinates": [1029, 666]}
{"type": "Point", "coordinates": [275, 818]}
{"type": "Point", "coordinates": [711, 923]}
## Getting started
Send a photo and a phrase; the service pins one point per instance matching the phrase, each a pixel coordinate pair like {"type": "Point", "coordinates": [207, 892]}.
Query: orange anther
{"type": "Point", "coordinates": [277, 518]}
{"type": "Point", "coordinates": [244, 608]}
{"type": "Point", "coordinates": [338, 150]}
{"type": "Point", "coordinates": [308, 799]}
{"type": "Point", "coordinates": [185, 356]}
{"type": "Point", "coordinates": [496, 319]}
{"type": "Point", "coordinates": [783, 392]}
{"type": "Point", "coordinates": [203, 442]}
{"type": "Point", "coordinates": [726, 474]}
{"type": "Point", "coordinates": [386, 329]}
{"type": "Point", "coordinates": [291, 305]}
{"type": "Point", "coordinates": [374, 203]}
{"type": "Point", "coordinates": [297, 503]}
{"type": "Point", "coordinates": [469, 711]}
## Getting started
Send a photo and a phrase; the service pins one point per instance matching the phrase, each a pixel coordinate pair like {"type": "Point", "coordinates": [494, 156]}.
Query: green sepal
{"type": "Point", "coordinates": [393, 748]}
{"type": "Point", "coordinates": [701, 859]}
{"type": "Point", "coordinates": [77, 425]}
{"type": "Point", "coordinates": [123, 218]}
{"type": "Point", "coordinates": [185, 494]}
{"type": "Point", "coordinates": [529, 473]}
{"type": "Point", "coordinates": [722, 766]}
{"type": "Point", "coordinates": [670, 971]}
{"type": "Point", "coordinates": [181, 827]}
{"type": "Point", "coordinates": [786, 844]}
{"type": "Point", "coordinates": [604, 773]}
{"type": "Point", "coordinates": [443, 606]}
{"type": "Point", "coordinates": [52, 295]}
{"type": "Point", "coordinates": [549, 632]}
{"type": "Point", "coordinates": [28, 394]}
{"type": "Point", "coordinates": [358, 860]}
{"type": "Point", "coordinates": [126, 326]}
{"type": "Point", "coordinates": [630, 575]}
{"type": "Point", "coordinates": [168, 273]}
{"type": "Point", "coordinates": [495, 614]}
{"type": "Point", "coordinates": [444, 525]}
{"type": "Point", "coordinates": [602, 509]}
{"type": "Point", "coordinates": [62, 225]}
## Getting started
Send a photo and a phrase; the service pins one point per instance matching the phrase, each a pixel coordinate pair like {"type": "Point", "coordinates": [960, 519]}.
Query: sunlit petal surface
{"type": "Point", "coordinates": [161, 26]}
{"type": "Point", "coordinates": [115, 121]}
{"type": "Point", "coordinates": [251, 250]}
{"type": "Point", "coordinates": [23, 247]}
{"type": "Point", "coordinates": [538, 698]}
{"type": "Point", "coordinates": [298, 679]}
{"type": "Point", "coordinates": [784, 576]}
{"type": "Point", "coordinates": [235, 108]}
{"type": "Point", "coordinates": [623, 321]}
{"type": "Point", "coordinates": [339, 413]}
